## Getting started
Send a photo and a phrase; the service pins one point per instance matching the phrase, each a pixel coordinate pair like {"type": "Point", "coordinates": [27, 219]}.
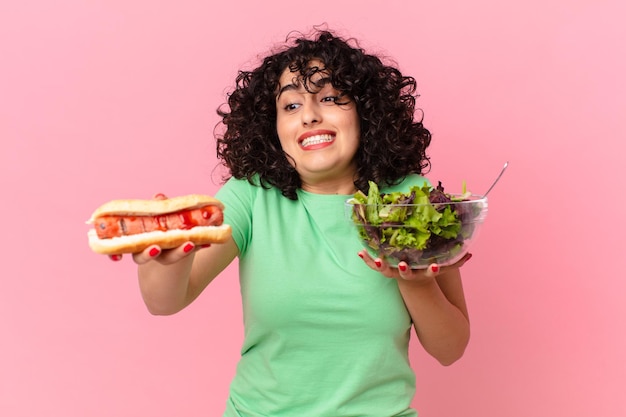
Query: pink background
{"type": "Point", "coordinates": [113, 99]}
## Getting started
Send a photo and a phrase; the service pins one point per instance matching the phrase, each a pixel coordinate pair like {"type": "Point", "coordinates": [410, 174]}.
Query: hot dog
{"type": "Point", "coordinates": [128, 226]}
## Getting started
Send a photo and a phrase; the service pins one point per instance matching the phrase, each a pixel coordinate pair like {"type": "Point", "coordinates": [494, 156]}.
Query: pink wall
{"type": "Point", "coordinates": [116, 99]}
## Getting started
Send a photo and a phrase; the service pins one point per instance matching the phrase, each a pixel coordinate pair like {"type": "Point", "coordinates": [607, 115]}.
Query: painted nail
{"type": "Point", "coordinates": [402, 267]}
{"type": "Point", "coordinates": [378, 263]}
{"type": "Point", "coordinates": [116, 257]}
{"type": "Point", "coordinates": [361, 255]}
{"type": "Point", "coordinates": [188, 248]}
{"type": "Point", "coordinates": [435, 268]}
{"type": "Point", "coordinates": [154, 252]}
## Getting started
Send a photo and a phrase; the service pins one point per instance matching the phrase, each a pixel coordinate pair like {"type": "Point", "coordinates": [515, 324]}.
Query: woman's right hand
{"type": "Point", "coordinates": [167, 256]}
{"type": "Point", "coordinates": [164, 257]}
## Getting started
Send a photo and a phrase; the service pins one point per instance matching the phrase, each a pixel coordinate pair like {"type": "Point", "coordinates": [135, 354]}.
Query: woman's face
{"type": "Point", "coordinates": [319, 135]}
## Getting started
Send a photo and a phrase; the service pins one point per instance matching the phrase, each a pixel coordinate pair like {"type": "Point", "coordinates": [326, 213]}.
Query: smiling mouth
{"type": "Point", "coordinates": [316, 140]}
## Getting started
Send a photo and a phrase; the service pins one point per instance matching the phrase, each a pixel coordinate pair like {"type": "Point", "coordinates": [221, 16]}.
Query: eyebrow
{"type": "Point", "coordinates": [292, 87]}
{"type": "Point", "coordinates": [287, 87]}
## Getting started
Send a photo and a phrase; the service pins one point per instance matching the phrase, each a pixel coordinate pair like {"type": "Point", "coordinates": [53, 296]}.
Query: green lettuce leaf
{"type": "Point", "coordinates": [423, 222]}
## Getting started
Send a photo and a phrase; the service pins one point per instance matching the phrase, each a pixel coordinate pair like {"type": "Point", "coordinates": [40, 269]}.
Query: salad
{"type": "Point", "coordinates": [420, 227]}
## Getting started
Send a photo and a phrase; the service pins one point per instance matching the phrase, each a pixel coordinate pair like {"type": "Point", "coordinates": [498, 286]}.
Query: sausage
{"type": "Point", "coordinates": [115, 226]}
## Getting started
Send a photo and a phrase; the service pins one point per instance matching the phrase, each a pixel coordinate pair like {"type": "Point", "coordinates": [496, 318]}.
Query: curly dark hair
{"type": "Point", "coordinates": [392, 144]}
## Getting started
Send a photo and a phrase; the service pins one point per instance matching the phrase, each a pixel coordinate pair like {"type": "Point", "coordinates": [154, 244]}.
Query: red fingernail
{"type": "Point", "coordinates": [435, 268]}
{"type": "Point", "coordinates": [154, 252]}
{"type": "Point", "coordinates": [115, 257]}
{"type": "Point", "coordinates": [402, 267]}
{"type": "Point", "coordinates": [361, 255]}
{"type": "Point", "coordinates": [378, 263]}
{"type": "Point", "coordinates": [188, 247]}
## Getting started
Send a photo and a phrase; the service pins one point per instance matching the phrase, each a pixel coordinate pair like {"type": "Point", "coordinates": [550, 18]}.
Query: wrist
{"type": "Point", "coordinates": [419, 284]}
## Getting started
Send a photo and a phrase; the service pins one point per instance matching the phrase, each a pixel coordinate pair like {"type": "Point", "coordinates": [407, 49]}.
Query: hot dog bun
{"type": "Point", "coordinates": [200, 235]}
{"type": "Point", "coordinates": [167, 238]}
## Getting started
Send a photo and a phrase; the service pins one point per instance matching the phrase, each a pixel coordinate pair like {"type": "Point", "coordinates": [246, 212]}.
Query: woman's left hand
{"type": "Point", "coordinates": [403, 271]}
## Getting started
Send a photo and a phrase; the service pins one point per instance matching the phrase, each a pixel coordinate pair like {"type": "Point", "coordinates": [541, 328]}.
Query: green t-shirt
{"type": "Point", "coordinates": [325, 335]}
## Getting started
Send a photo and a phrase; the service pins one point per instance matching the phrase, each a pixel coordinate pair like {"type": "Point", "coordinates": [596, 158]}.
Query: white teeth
{"type": "Point", "coordinates": [314, 140]}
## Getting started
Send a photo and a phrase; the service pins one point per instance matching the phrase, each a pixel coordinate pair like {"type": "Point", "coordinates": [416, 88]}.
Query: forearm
{"type": "Point", "coordinates": [441, 326]}
{"type": "Point", "coordinates": [171, 284]}
{"type": "Point", "coordinates": [164, 288]}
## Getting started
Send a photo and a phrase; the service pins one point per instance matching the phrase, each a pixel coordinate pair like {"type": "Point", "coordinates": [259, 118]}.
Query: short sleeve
{"type": "Point", "coordinates": [238, 197]}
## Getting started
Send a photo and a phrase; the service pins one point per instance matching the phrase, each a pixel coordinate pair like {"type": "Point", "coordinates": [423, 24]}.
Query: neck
{"type": "Point", "coordinates": [330, 187]}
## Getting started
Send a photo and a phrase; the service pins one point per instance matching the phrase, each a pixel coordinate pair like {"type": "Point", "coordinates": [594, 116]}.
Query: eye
{"type": "Point", "coordinates": [338, 99]}
{"type": "Point", "coordinates": [291, 106]}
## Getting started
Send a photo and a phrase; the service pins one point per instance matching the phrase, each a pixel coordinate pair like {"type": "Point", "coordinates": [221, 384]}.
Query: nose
{"type": "Point", "coordinates": [311, 113]}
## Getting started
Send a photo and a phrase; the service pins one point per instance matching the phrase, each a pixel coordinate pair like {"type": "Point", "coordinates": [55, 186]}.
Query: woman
{"type": "Point", "coordinates": [326, 333]}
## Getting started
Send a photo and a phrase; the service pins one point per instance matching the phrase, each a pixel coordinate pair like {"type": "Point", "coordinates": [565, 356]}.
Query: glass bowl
{"type": "Point", "coordinates": [419, 234]}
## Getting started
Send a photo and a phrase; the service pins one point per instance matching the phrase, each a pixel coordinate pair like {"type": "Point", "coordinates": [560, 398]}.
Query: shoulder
{"type": "Point", "coordinates": [235, 188]}
{"type": "Point", "coordinates": [247, 196]}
